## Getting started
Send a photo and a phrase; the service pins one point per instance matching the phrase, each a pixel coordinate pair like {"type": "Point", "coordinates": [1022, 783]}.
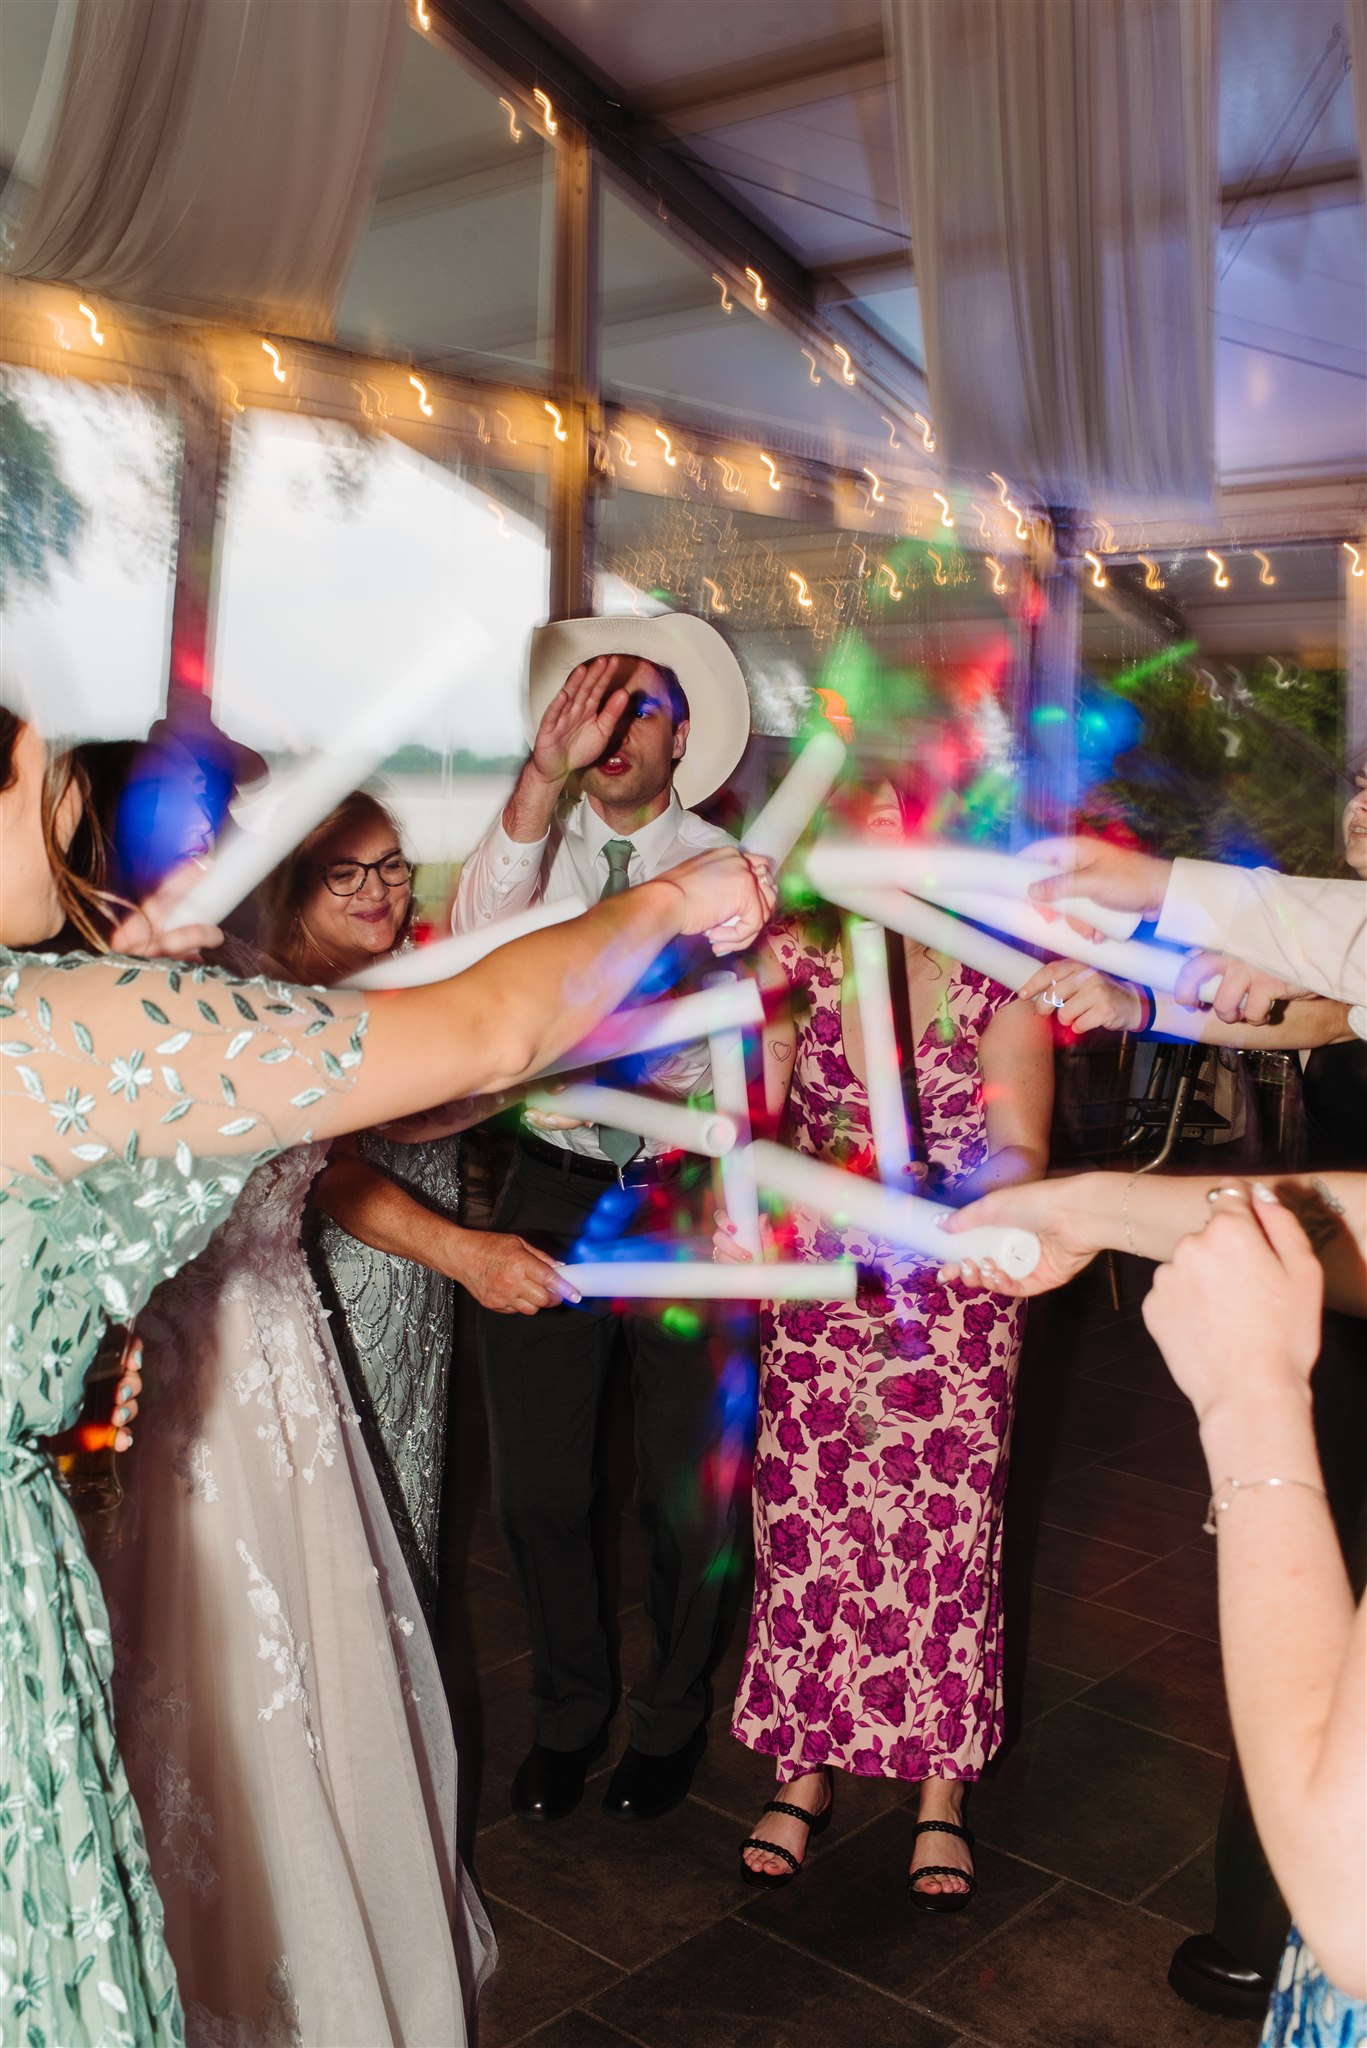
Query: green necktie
{"type": "Point", "coordinates": [618, 1146]}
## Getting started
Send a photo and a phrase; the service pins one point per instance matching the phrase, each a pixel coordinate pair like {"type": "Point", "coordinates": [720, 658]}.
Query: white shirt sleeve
{"type": "Point", "coordinates": [1309, 932]}
{"type": "Point", "coordinates": [501, 877]}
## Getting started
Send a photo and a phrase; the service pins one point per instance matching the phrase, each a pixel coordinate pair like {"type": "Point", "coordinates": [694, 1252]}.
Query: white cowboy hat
{"type": "Point", "coordinates": [708, 672]}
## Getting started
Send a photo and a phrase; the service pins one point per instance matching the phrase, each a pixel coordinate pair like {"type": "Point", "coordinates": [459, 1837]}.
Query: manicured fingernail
{"type": "Point", "coordinates": [123, 1441]}
{"type": "Point", "coordinates": [1263, 1193]}
{"type": "Point", "coordinates": [121, 1414]}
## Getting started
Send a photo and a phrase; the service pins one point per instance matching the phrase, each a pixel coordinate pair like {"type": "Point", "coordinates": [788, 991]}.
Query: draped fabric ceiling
{"type": "Point", "coordinates": [206, 156]}
{"type": "Point", "coordinates": [1059, 158]}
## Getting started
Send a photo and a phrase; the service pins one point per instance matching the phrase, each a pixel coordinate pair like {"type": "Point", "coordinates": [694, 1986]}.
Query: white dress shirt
{"type": "Point", "coordinates": [1309, 932]}
{"type": "Point", "coordinates": [503, 876]}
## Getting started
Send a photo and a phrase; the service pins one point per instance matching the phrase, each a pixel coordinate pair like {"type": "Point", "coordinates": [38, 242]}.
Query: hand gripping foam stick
{"type": "Point", "coordinates": [704, 1280]}
{"type": "Point", "coordinates": [932, 871]}
{"type": "Point", "coordinates": [730, 1092]}
{"type": "Point", "coordinates": [887, 1108]}
{"type": "Point", "coordinates": [904, 1220]}
{"type": "Point", "coordinates": [302, 797]}
{"type": "Point", "coordinates": [1153, 966]}
{"type": "Point", "coordinates": [797, 799]}
{"type": "Point", "coordinates": [425, 964]}
{"type": "Point", "coordinates": [645, 1116]}
{"type": "Point", "coordinates": [656, 1026]}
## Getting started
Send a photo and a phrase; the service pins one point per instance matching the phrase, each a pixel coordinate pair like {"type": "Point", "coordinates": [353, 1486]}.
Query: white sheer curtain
{"type": "Point", "coordinates": [1060, 165]}
{"type": "Point", "coordinates": [213, 153]}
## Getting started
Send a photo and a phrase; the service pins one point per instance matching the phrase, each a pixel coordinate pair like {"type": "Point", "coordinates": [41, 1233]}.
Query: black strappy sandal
{"type": "Point", "coordinates": [941, 1902]}
{"type": "Point", "coordinates": [768, 1880]}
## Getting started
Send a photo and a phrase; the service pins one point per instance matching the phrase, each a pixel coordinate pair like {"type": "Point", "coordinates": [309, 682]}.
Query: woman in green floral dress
{"type": "Point", "coordinates": [136, 1098]}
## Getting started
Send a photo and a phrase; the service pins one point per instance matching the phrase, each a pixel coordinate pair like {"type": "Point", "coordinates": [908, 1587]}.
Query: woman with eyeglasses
{"type": "Point", "coordinates": [290, 1460]}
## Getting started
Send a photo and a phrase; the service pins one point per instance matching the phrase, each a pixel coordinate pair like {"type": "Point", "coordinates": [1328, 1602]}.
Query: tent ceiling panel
{"type": "Point", "coordinates": [1285, 94]}
{"type": "Point", "coordinates": [639, 46]}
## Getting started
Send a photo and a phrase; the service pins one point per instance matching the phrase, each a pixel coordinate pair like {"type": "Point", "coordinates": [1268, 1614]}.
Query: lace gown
{"type": "Point", "coordinates": [393, 1323]}
{"type": "Point", "coordinates": [279, 1707]}
{"type": "Point", "coordinates": [880, 1461]}
{"type": "Point", "coordinates": [136, 1101]}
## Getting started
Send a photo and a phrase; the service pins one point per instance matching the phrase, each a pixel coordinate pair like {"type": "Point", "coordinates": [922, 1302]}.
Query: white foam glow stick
{"type": "Point", "coordinates": [1157, 967]}
{"type": "Point", "coordinates": [797, 799]}
{"type": "Point", "coordinates": [730, 1092]}
{"type": "Point", "coordinates": [932, 871]}
{"type": "Point", "coordinates": [646, 1116]}
{"type": "Point", "coordinates": [943, 933]}
{"type": "Point", "coordinates": [438, 962]}
{"type": "Point", "coordinates": [702, 1280]}
{"type": "Point", "coordinates": [905, 1220]}
{"type": "Point", "coordinates": [657, 1026]}
{"type": "Point", "coordinates": [883, 1083]}
{"type": "Point", "coordinates": [301, 798]}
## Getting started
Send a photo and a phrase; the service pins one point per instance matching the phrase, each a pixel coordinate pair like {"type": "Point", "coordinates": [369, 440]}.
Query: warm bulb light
{"type": "Point", "coordinates": [998, 580]}
{"type": "Point", "coordinates": [927, 436]}
{"type": "Point", "coordinates": [803, 594]}
{"type": "Point", "coordinates": [1265, 569]}
{"type": "Point", "coordinates": [95, 334]}
{"type": "Point", "coordinates": [885, 569]}
{"type": "Point", "coordinates": [424, 402]}
{"type": "Point", "coordinates": [761, 303]}
{"type": "Point", "coordinates": [940, 576]}
{"type": "Point", "coordinates": [893, 441]}
{"type": "Point", "coordinates": [273, 352]}
{"type": "Point", "coordinates": [946, 516]}
{"type": "Point", "coordinates": [772, 468]}
{"type": "Point", "coordinates": [1221, 574]}
{"type": "Point", "coordinates": [1356, 568]}
{"type": "Point", "coordinates": [557, 422]}
{"type": "Point", "coordinates": [876, 494]}
{"type": "Point", "coordinates": [813, 376]}
{"type": "Point", "coordinates": [424, 18]}
{"type": "Point", "coordinates": [1098, 573]}
{"type": "Point", "coordinates": [628, 458]}
{"type": "Point", "coordinates": [717, 604]}
{"type": "Point", "coordinates": [1152, 579]}
{"type": "Point", "coordinates": [514, 132]}
{"type": "Point", "coordinates": [671, 459]}
{"type": "Point", "coordinates": [726, 303]}
{"type": "Point", "coordinates": [846, 370]}
{"type": "Point", "coordinates": [547, 113]}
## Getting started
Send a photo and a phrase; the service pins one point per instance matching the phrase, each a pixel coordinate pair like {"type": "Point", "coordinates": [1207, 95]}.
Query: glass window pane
{"type": "Point", "coordinates": [87, 543]}
{"type": "Point", "coordinates": [454, 265]}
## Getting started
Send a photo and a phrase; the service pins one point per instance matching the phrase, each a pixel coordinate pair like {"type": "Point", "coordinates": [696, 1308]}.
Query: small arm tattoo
{"type": "Point", "coordinates": [1317, 1209]}
{"type": "Point", "coordinates": [781, 1049]}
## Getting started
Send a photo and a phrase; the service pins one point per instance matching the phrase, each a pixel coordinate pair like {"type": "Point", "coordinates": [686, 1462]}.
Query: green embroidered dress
{"type": "Point", "coordinates": [135, 1101]}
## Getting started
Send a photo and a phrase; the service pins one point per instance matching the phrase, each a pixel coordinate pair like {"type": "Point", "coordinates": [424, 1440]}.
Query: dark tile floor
{"type": "Point", "coordinates": [1094, 1826]}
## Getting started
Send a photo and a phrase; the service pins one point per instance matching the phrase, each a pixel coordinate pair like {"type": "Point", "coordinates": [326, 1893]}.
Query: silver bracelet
{"type": "Point", "coordinates": [1229, 1487]}
{"type": "Point", "coordinates": [1125, 1214]}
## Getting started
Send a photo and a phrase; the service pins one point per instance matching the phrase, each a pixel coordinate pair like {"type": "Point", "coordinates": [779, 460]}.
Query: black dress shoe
{"type": "Point", "coordinates": [550, 1782]}
{"type": "Point", "coordinates": [1205, 1974]}
{"type": "Point", "coordinates": [644, 1787]}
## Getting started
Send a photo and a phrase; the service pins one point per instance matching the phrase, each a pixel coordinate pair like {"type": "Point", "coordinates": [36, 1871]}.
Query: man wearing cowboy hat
{"type": "Point", "coordinates": [643, 717]}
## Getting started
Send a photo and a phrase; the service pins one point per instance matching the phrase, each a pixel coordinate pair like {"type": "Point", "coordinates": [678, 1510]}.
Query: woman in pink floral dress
{"type": "Point", "coordinates": [880, 1465]}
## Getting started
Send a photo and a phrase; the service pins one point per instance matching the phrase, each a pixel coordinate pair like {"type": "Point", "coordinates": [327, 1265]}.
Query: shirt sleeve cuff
{"type": "Point", "coordinates": [1203, 904]}
{"type": "Point", "coordinates": [507, 858]}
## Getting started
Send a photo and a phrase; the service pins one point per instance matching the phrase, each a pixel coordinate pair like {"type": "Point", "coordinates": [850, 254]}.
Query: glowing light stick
{"type": "Point", "coordinates": [933, 871]}
{"type": "Point", "coordinates": [904, 1220]}
{"type": "Point", "coordinates": [1156, 967]}
{"type": "Point", "coordinates": [941, 932]}
{"type": "Point", "coordinates": [646, 1116]}
{"type": "Point", "coordinates": [887, 1109]}
{"type": "Point", "coordinates": [730, 1092]}
{"type": "Point", "coordinates": [704, 1280]}
{"type": "Point", "coordinates": [302, 798]}
{"type": "Point", "coordinates": [452, 956]}
{"type": "Point", "coordinates": [797, 799]}
{"type": "Point", "coordinates": [657, 1026]}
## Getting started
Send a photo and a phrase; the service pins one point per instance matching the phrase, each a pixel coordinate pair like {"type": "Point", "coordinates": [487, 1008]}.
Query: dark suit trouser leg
{"type": "Point", "coordinates": [688, 1506]}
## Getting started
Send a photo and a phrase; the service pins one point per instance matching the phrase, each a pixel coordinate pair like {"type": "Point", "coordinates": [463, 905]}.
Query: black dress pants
{"type": "Point", "coordinates": [544, 1381]}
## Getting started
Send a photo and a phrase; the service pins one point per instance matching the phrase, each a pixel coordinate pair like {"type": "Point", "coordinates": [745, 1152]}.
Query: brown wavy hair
{"type": "Point", "coordinates": [283, 892]}
{"type": "Point", "coordinates": [79, 870]}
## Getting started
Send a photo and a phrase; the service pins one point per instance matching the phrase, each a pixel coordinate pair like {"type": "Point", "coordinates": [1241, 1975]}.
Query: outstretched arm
{"type": "Point", "coordinates": [1236, 1315]}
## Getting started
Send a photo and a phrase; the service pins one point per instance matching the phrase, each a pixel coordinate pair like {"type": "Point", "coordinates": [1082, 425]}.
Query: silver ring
{"type": "Point", "coordinates": [1213, 1194]}
{"type": "Point", "coordinates": [1051, 998]}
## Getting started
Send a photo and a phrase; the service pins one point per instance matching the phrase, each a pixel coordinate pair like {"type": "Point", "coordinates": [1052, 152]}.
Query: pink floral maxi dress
{"type": "Point", "coordinates": [881, 1459]}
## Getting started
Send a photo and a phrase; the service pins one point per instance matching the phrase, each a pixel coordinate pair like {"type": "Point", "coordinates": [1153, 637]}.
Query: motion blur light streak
{"type": "Point", "coordinates": [885, 569]}
{"type": "Point", "coordinates": [514, 132]}
{"type": "Point", "coordinates": [772, 468]}
{"type": "Point", "coordinates": [671, 459]}
{"type": "Point", "coordinates": [628, 458]}
{"type": "Point", "coordinates": [893, 441]}
{"type": "Point", "coordinates": [877, 492]}
{"type": "Point", "coordinates": [803, 595]}
{"type": "Point", "coordinates": [998, 580]}
{"type": "Point", "coordinates": [1221, 573]}
{"type": "Point", "coordinates": [557, 421]}
{"type": "Point", "coordinates": [95, 334]}
{"type": "Point", "coordinates": [1357, 568]}
{"type": "Point", "coordinates": [761, 303]}
{"type": "Point", "coordinates": [1152, 579]}
{"type": "Point", "coordinates": [274, 355]}
{"type": "Point", "coordinates": [1098, 573]}
{"type": "Point", "coordinates": [726, 302]}
{"type": "Point", "coordinates": [717, 603]}
{"type": "Point", "coordinates": [846, 368]}
{"type": "Point", "coordinates": [813, 376]}
{"type": "Point", "coordinates": [927, 435]}
{"type": "Point", "coordinates": [546, 110]}
{"type": "Point", "coordinates": [1265, 571]}
{"type": "Point", "coordinates": [424, 402]}
{"type": "Point", "coordinates": [946, 516]}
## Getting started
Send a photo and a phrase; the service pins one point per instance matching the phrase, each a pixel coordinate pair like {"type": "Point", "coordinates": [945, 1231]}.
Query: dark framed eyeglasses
{"type": "Point", "coordinates": [347, 877]}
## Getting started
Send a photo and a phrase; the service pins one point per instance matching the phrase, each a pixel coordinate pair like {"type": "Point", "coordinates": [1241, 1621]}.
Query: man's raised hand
{"type": "Point", "coordinates": [580, 719]}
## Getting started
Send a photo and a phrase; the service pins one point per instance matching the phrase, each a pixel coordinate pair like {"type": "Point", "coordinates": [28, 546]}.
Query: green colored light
{"type": "Point", "coordinates": [681, 1322]}
{"type": "Point", "coordinates": [1153, 664]}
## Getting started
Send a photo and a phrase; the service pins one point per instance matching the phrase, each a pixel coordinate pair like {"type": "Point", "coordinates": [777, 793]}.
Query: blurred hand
{"type": "Point", "coordinates": [1117, 876]}
{"type": "Point", "coordinates": [580, 719]}
{"type": "Point", "coordinates": [729, 896]}
{"type": "Point", "coordinates": [151, 932]}
{"type": "Point", "coordinates": [1245, 994]}
{"type": "Point", "coordinates": [508, 1275]}
{"type": "Point", "coordinates": [126, 1393]}
{"type": "Point", "coordinates": [1084, 998]}
{"type": "Point", "coordinates": [1236, 1310]}
{"type": "Point", "coordinates": [1048, 1207]}
{"type": "Point", "coordinates": [726, 1247]}
{"type": "Point", "coordinates": [551, 1119]}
